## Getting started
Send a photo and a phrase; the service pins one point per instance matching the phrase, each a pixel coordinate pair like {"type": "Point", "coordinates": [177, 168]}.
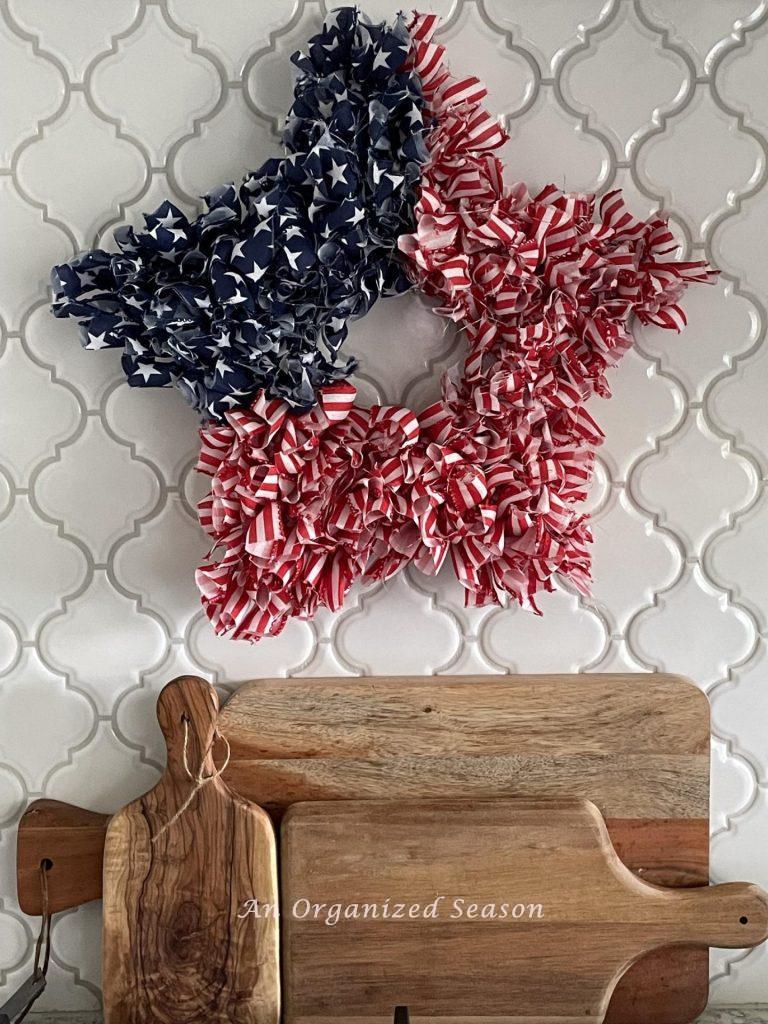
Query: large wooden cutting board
{"type": "Point", "coordinates": [637, 745]}
{"type": "Point", "coordinates": [177, 948]}
{"type": "Point", "coordinates": [505, 911]}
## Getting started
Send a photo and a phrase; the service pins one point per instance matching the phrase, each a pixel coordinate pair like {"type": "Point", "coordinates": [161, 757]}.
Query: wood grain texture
{"type": "Point", "coordinates": [638, 745]}
{"type": "Point", "coordinates": [72, 840]}
{"type": "Point", "coordinates": [411, 737]}
{"type": "Point", "coordinates": [174, 946]}
{"type": "Point", "coordinates": [596, 917]}
{"type": "Point", "coordinates": [673, 785]}
{"type": "Point", "coordinates": [415, 715]}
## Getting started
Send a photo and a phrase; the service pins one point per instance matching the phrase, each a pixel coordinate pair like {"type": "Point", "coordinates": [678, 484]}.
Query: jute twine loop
{"type": "Point", "coordinates": [199, 779]}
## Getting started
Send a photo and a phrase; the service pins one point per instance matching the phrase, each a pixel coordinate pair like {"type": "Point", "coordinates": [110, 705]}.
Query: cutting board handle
{"type": "Point", "coordinates": [733, 915]}
{"type": "Point", "coordinates": [71, 840]}
{"type": "Point", "coordinates": [188, 712]}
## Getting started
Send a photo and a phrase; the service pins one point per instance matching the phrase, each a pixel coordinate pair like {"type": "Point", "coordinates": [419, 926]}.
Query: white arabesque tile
{"type": "Point", "coordinates": [702, 164]}
{"type": "Point", "coordinates": [269, 77]}
{"type": "Point", "coordinates": [733, 786]}
{"type": "Point", "coordinates": [41, 97]}
{"type": "Point", "coordinates": [701, 29]}
{"type": "Point", "coordinates": [153, 61]}
{"type": "Point", "coordinates": [43, 718]}
{"type": "Point", "coordinates": [695, 482]}
{"type": "Point", "coordinates": [38, 570]}
{"type": "Point", "coordinates": [10, 645]}
{"type": "Point", "coordinates": [397, 630]}
{"type": "Point", "coordinates": [159, 426]}
{"type": "Point", "coordinates": [738, 243]}
{"type": "Point", "coordinates": [693, 630]}
{"type": "Point", "coordinates": [583, 163]}
{"type": "Point", "coordinates": [422, 339]}
{"type": "Point", "coordinates": [547, 29]}
{"type": "Point", "coordinates": [24, 279]}
{"type": "Point", "coordinates": [740, 709]}
{"type": "Point", "coordinates": [230, 29]}
{"type": "Point", "coordinates": [103, 641]}
{"type": "Point", "coordinates": [623, 51]}
{"type": "Point", "coordinates": [97, 489]}
{"type": "Point", "coordinates": [742, 78]}
{"type": "Point", "coordinates": [233, 142]}
{"type": "Point", "coordinates": [737, 403]}
{"type": "Point", "coordinates": [721, 325]}
{"type": "Point", "coordinates": [57, 344]}
{"type": "Point", "coordinates": [135, 717]}
{"type": "Point", "coordinates": [737, 559]}
{"type": "Point", "coordinates": [565, 638]}
{"type": "Point", "coordinates": [104, 775]}
{"type": "Point", "coordinates": [12, 796]}
{"type": "Point", "coordinates": [159, 561]}
{"type": "Point", "coordinates": [75, 32]}
{"type": "Point", "coordinates": [36, 412]}
{"type": "Point", "coordinates": [644, 405]}
{"type": "Point", "coordinates": [649, 560]}
{"type": "Point", "coordinates": [93, 180]}
{"type": "Point", "coordinates": [227, 662]}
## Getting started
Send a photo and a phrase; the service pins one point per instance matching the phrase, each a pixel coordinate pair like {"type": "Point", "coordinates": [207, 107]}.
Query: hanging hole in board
{"type": "Point", "coordinates": [743, 919]}
{"type": "Point", "coordinates": [46, 863]}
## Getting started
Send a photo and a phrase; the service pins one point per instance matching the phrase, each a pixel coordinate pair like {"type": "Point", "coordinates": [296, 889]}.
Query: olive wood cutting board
{"type": "Point", "coordinates": [637, 745]}
{"type": "Point", "coordinates": [504, 911]}
{"type": "Point", "coordinates": [177, 873]}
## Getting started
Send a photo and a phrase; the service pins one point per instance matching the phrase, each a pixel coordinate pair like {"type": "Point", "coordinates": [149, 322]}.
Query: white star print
{"type": "Point", "coordinates": [337, 173]}
{"type": "Point", "coordinates": [96, 341]}
{"type": "Point", "coordinates": [256, 273]}
{"type": "Point", "coordinates": [238, 250]}
{"type": "Point", "coordinates": [381, 60]}
{"type": "Point", "coordinates": [264, 207]}
{"type": "Point", "coordinates": [292, 257]}
{"type": "Point", "coordinates": [168, 220]}
{"type": "Point", "coordinates": [146, 371]}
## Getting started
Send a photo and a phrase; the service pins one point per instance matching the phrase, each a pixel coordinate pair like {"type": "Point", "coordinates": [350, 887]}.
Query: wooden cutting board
{"type": "Point", "coordinates": [637, 745]}
{"type": "Point", "coordinates": [176, 949]}
{"type": "Point", "coordinates": [71, 841]}
{"type": "Point", "coordinates": [500, 910]}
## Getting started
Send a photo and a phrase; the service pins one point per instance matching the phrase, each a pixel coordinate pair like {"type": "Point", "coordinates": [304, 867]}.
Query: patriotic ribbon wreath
{"type": "Point", "coordinates": [311, 491]}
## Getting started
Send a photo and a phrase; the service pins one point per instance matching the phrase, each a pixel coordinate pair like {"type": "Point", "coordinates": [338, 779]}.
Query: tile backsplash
{"type": "Point", "coordinates": [111, 107]}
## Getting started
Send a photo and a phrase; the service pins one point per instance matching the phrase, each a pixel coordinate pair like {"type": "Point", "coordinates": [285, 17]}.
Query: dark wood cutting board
{"type": "Point", "coordinates": [503, 911]}
{"type": "Point", "coordinates": [637, 745]}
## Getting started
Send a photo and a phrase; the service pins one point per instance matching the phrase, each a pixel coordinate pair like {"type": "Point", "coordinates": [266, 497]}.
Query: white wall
{"type": "Point", "coordinates": [116, 105]}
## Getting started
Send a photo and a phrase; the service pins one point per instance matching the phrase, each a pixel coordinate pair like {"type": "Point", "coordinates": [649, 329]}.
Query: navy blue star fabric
{"type": "Point", "coordinates": [257, 291]}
